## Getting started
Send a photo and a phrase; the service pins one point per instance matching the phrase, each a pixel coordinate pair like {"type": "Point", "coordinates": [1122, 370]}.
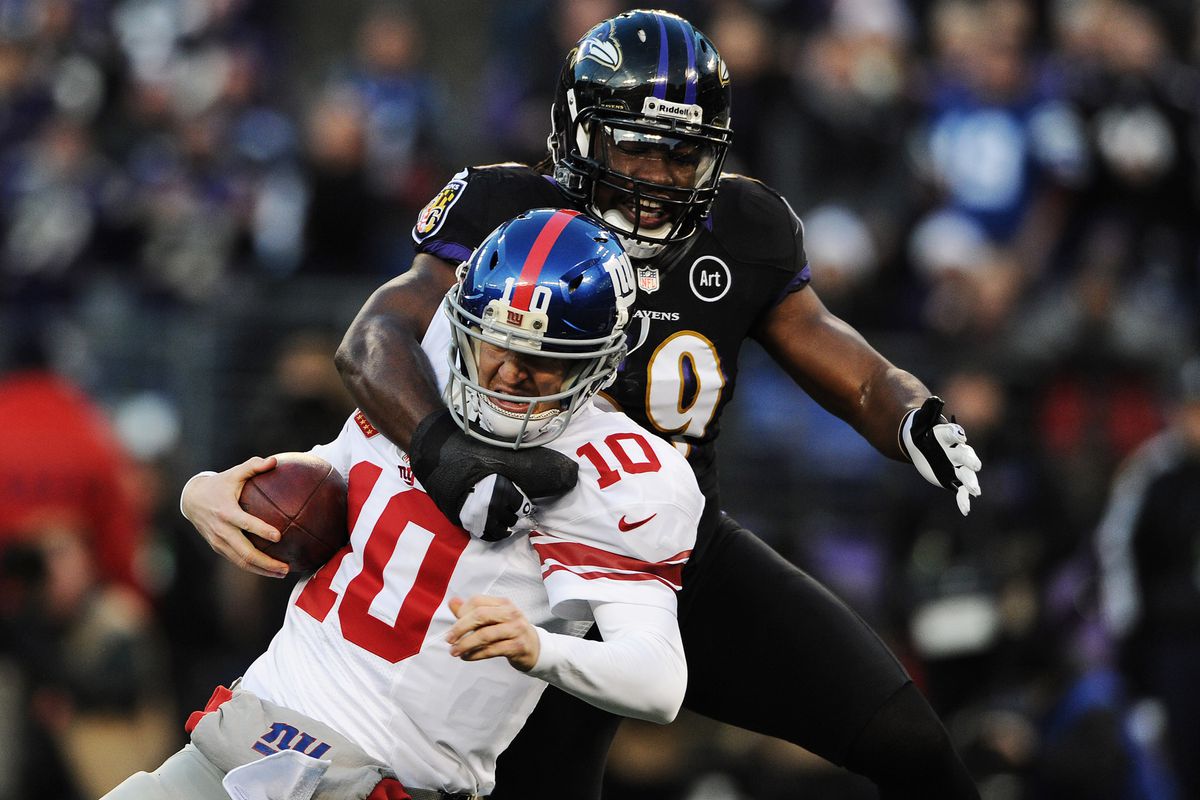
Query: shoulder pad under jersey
{"type": "Point", "coordinates": [756, 223]}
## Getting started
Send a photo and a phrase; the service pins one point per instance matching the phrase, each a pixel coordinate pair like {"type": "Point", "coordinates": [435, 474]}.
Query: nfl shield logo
{"type": "Point", "coordinates": [647, 279]}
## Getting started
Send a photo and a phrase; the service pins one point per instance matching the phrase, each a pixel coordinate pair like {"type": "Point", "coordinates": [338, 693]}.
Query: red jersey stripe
{"type": "Point", "coordinates": [573, 554]}
{"type": "Point", "coordinates": [589, 575]}
{"type": "Point", "coordinates": [542, 246]}
{"type": "Point", "coordinates": [550, 546]}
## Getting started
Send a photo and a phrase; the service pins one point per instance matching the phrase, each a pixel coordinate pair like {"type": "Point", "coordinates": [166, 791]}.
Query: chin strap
{"type": "Point", "coordinates": [640, 250]}
{"type": "Point", "coordinates": [635, 248]}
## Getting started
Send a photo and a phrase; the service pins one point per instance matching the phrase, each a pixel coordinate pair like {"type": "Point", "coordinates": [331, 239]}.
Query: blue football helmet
{"type": "Point", "coordinates": [550, 283]}
{"type": "Point", "coordinates": [643, 82]}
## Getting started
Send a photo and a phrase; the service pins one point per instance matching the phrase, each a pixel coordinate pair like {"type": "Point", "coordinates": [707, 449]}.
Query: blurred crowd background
{"type": "Point", "coordinates": [1003, 195]}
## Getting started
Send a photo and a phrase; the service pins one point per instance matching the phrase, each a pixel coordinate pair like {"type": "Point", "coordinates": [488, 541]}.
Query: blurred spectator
{"type": "Point", "coordinates": [834, 133]}
{"type": "Point", "coordinates": [1063, 732]}
{"type": "Point", "coordinates": [1148, 542]}
{"type": "Point", "coordinates": [1088, 747]}
{"type": "Point", "coordinates": [26, 93]}
{"type": "Point", "coordinates": [1086, 352]}
{"type": "Point", "coordinates": [1141, 109]}
{"type": "Point", "coordinates": [964, 593]}
{"type": "Point", "coordinates": [527, 43]}
{"type": "Point", "coordinates": [35, 709]}
{"type": "Point", "coordinates": [401, 105]}
{"type": "Point", "coordinates": [837, 238]}
{"type": "Point", "coordinates": [972, 285]}
{"type": "Point", "coordinates": [344, 215]}
{"type": "Point", "coordinates": [1001, 143]}
{"type": "Point", "coordinates": [390, 145]}
{"type": "Point", "coordinates": [303, 400]}
{"type": "Point", "coordinates": [179, 566]}
{"type": "Point", "coordinates": [1052, 719]}
{"type": "Point", "coordinates": [58, 195]}
{"type": "Point", "coordinates": [203, 138]}
{"type": "Point", "coordinates": [751, 51]}
{"type": "Point", "coordinates": [88, 656]}
{"type": "Point", "coordinates": [61, 463]}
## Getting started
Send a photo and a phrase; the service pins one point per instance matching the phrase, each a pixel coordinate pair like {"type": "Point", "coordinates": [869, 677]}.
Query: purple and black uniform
{"type": "Point", "coordinates": [689, 321]}
{"type": "Point", "coordinates": [769, 649]}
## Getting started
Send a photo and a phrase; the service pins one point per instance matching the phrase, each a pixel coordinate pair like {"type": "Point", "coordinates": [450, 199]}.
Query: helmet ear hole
{"type": "Point", "coordinates": [574, 284]}
{"type": "Point", "coordinates": [494, 261]}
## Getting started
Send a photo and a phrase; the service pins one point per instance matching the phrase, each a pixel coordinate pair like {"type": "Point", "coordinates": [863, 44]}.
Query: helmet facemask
{"type": "Point", "coordinates": [649, 182]}
{"type": "Point", "coordinates": [590, 365]}
{"type": "Point", "coordinates": [585, 303]}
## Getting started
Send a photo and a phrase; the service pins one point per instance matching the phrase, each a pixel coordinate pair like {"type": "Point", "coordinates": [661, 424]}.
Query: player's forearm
{"type": "Point", "coordinates": [885, 400]}
{"type": "Point", "coordinates": [380, 357]}
{"type": "Point", "coordinates": [839, 369]}
{"type": "Point", "coordinates": [867, 391]}
{"type": "Point", "coordinates": [639, 670]}
{"type": "Point", "coordinates": [383, 367]}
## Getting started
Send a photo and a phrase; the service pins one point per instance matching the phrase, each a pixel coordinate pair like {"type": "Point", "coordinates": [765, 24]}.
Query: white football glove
{"type": "Point", "coordinates": [484, 488]}
{"type": "Point", "coordinates": [939, 451]}
{"type": "Point", "coordinates": [495, 509]}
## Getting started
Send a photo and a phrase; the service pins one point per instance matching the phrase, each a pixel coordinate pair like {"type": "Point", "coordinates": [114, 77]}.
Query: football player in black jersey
{"type": "Point", "coordinates": [641, 125]}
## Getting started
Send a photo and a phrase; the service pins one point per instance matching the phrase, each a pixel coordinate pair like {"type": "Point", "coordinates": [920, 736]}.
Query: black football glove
{"type": "Point", "coordinates": [481, 487]}
{"type": "Point", "coordinates": [939, 451]}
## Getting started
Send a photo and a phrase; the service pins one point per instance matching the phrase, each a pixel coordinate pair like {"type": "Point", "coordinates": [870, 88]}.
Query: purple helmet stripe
{"type": "Point", "coordinates": [689, 96]}
{"type": "Point", "coordinates": [660, 80]}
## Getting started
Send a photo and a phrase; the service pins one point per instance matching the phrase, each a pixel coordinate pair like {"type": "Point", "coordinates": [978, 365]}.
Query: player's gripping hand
{"type": "Point", "coordinates": [483, 488]}
{"type": "Point", "coordinates": [938, 449]}
{"type": "Point", "coordinates": [492, 627]}
{"type": "Point", "coordinates": [210, 502]}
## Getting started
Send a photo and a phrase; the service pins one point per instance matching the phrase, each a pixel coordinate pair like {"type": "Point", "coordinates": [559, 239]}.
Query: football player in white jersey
{"type": "Point", "coordinates": [383, 681]}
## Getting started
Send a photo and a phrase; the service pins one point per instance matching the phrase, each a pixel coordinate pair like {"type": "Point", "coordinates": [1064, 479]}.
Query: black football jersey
{"type": "Point", "coordinates": [694, 307]}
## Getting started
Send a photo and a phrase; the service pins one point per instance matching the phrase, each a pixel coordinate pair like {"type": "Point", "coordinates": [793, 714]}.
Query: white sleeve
{"type": "Point", "coordinates": [639, 670]}
{"type": "Point", "coordinates": [206, 473]}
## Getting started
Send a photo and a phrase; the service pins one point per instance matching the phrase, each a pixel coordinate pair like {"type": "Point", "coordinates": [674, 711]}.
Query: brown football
{"type": "Point", "coordinates": [304, 497]}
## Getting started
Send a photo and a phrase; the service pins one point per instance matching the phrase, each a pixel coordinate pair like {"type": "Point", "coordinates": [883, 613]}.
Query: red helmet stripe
{"type": "Point", "coordinates": [542, 245]}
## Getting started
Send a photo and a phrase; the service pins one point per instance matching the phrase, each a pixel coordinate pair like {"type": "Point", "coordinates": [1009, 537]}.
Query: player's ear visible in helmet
{"type": "Point", "coordinates": [550, 285]}
{"type": "Point", "coordinates": [643, 85]}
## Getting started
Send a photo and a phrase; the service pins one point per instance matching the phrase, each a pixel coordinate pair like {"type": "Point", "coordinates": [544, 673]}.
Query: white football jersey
{"type": "Point", "coordinates": [362, 646]}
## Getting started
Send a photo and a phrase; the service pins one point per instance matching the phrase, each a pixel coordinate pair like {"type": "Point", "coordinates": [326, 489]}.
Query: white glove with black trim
{"type": "Point", "coordinates": [495, 509]}
{"type": "Point", "coordinates": [483, 488]}
{"type": "Point", "coordinates": [938, 449]}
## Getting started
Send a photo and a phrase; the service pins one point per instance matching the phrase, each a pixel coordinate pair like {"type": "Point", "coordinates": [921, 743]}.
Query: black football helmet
{"type": "Point", "coordinates": [645, 84]}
